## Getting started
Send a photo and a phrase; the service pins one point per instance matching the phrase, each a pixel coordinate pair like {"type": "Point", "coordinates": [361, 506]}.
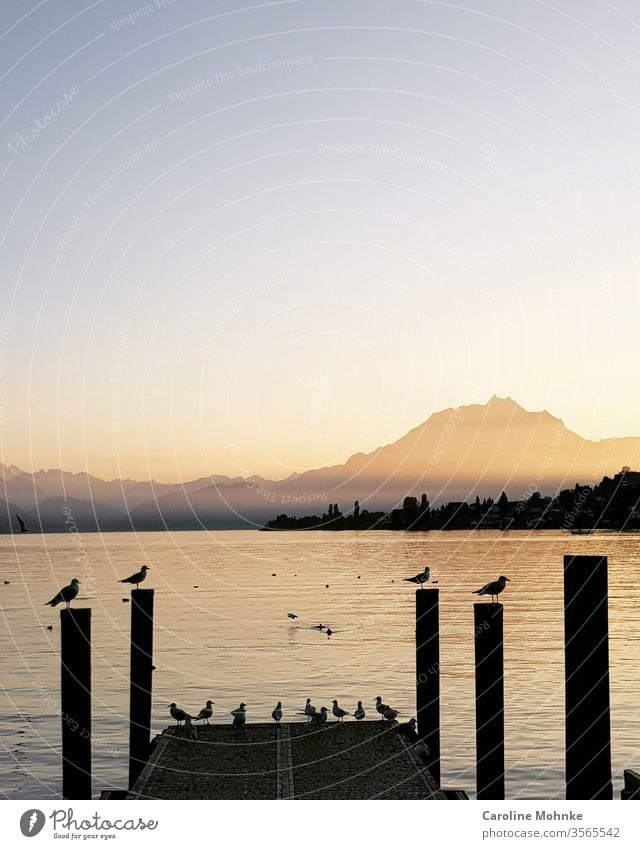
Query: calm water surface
{"type": "Point", "coordinates": [230, 639]}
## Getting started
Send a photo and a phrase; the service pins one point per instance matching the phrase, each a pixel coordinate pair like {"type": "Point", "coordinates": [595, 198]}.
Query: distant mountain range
{"type": "Point", "coordinates": [454, 455]}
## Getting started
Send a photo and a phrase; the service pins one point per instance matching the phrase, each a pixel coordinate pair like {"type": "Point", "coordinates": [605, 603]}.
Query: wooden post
{"type": "Point", "coordinates": [631, 788]}
{"type": "Point", "coordinates": [75, 702]}
{"type": "Point", "coordinates": [489, 652]}
{"type": "Point", "coordinates": [141, 681]}
{"type": "Point", "coordinates": [428, 675]}
{"type": "Point", "coordinates": [587, 706]}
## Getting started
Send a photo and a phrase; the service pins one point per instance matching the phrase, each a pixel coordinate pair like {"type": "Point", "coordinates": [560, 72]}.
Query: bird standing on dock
{"type": "Point", "coordinates": [206, 713]}
{"type": "Point", "coordinates": [493, 588]}
{"type": "Point", "coordinates": [320, 718]}
{"type": "Point", "coordinates": [66, 594]}
{"type": "Point", "coordinates": [309, 710]}
{"type": "Point", "coordinates": [137, 578]}
{"type": "Point", "coordinates": [405, 729]}
{"type": "Point", "coordinates": [380, 706]}
{"type": "Point", "coordinates": [420, 579]}
{"type": "Point", "coordinates": [389, 714]}
{"type": "Point", "coordinates": [338, 712]}
{"type": "Point", "coordinates": [276, 713]}
{"type": "Point", "coordinates": [359, 712]}
{"type": "Point", "coordinates": [23, 528]}
{"type": "Point", "coordinates": [177, 713]}
{"type": "Point", "coordinates": [239, 716]}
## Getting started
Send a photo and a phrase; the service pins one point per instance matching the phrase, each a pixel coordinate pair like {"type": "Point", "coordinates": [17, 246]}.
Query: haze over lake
{"type": "Point", "coordinates": [230, 639]}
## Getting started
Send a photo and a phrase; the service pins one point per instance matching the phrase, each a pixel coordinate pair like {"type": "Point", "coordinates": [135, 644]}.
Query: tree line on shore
{"type": "Point", "coordinates": [612, 504]}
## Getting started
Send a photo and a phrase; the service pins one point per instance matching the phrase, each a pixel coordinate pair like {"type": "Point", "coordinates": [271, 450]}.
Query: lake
{"type": "Point", "coordinates": [222, 632]}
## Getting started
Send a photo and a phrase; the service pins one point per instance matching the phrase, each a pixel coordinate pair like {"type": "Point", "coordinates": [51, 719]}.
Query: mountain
{"type": "Point", "coordinates": [452, 456]}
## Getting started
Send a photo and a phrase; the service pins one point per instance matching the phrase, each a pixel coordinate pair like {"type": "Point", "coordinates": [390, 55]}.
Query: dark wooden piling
{"type": "Point", "coordinates": [428, 675]}
{"type": "Point", "coordinates": [587, 705]}
{"type": "Point", "coordinates": [141, 681]}
{"type": "Point", "coordinates": [631, 788]}
{"type": "Point", "coordinates": [75, 702]}
{"type": "Point", "coordinates": [489, 658]}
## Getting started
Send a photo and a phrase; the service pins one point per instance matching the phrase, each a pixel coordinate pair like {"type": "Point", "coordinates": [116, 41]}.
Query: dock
{"type": "Point", "coordinates": [338, 760]}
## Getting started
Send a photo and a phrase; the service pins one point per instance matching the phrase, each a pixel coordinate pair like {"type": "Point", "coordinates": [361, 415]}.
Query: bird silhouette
{"type": "Point", "coordinates": [177, 713]}
{"type": "Point", "coordinates": [23, 528]}
{"type": "Point", "coordinates": [359, 712]}
{"type": "Point", "coordinates": [338, 712]}
{"type": "Point", "coordinates": [206, 713]}
{"type": "Point", "coordinates": [239, 716]}
{"type": "Point", "coordinates": [136, 578]}
{"type": "Point", "coordinates": [380, 706]}
{"type": "Point", "coordinates": [493, 588]}
{"type": "Point", "coordinates": [66, 594]}
{"type": "Point", "coordinates": [276, 713]}
{"type": "Point", "coordinates": [420, 579]}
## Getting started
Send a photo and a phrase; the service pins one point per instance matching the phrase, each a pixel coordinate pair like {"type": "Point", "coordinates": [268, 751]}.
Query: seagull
{"type": "Point", "coordinates": [359, 712]}
{"type": "Point", "coordinates": [137, 578]}
{"type": "Point", "coordinates": [189, 729]}
{"type": "Point", "coordinates": [206, 713]}
{"type": "Point", "coordinates": [309, 710]}
{"type": "Point", "coordinates": [292, 616]}
{"type": "Point", "coordinates": [380, 706]}
{"type": "Point", "coordinates": [389, 714]}
{"type": "Point", "coordinates": [239, 716]}
{"type": "Point", "coordinates": [321, 717]}
{"type": "Point", "coordinates": [421, 579]}
{"type": "Point", "coordinates": [493, 588]}
{"type": "Point", "coordinates": [23, 528]}
{"type": "Point", "coordinates": [405, 729]}
{"type": "Point", "coordinates": [177, 713]}
{"type": "Point", "coordinates": [338, 712]}
{"type": "Point", "coordinates": [276, 713]}
{"type": "Point", "coordinates": [66, 594]}
{"type": "Point", "coordinates": [49, 627]}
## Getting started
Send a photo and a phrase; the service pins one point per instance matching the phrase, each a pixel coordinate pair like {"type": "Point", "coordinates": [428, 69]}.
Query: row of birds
{"type": "Point", "coordinates": [317, 716]}
{"type": "Point", "coordinates": [68, 593]}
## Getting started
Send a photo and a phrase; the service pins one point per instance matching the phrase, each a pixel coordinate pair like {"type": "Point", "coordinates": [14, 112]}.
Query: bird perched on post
{"type": "Point", "coordinates": [136, 578]}
{"type": "Point", "coordinates": [239, 716]}
{"type": "Point", "coordinates": [66, 594]}
{"type": "Point", "coordinates": [420, 579]}
{"type": "Point", "coordinates": [493, 588]}
{"type": "Point", "coordinates": [321, 717]}
{"type": "Point", "coordinates": [177, 713]}
{"type": "Point", "coordinates": [276, 713]}
{"type": "Point", "coordinates": [206, 713]}
{"type": "Point", "coordinates": [380, 706]}
{"type": "Point", "coordinates": [338, 712]}
{"type": "Point", "coordinates": [359, 712]}
{"type": "Point", "coordinates": [389, 714]}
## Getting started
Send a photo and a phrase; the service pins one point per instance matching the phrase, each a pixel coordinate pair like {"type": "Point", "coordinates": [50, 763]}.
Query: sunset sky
{"type": "Point", "coordinates": [261, 240]}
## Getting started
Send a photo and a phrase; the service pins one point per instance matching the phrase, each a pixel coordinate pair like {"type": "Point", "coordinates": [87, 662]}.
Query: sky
{"type": "Point", "coordinates": [256, 239]}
